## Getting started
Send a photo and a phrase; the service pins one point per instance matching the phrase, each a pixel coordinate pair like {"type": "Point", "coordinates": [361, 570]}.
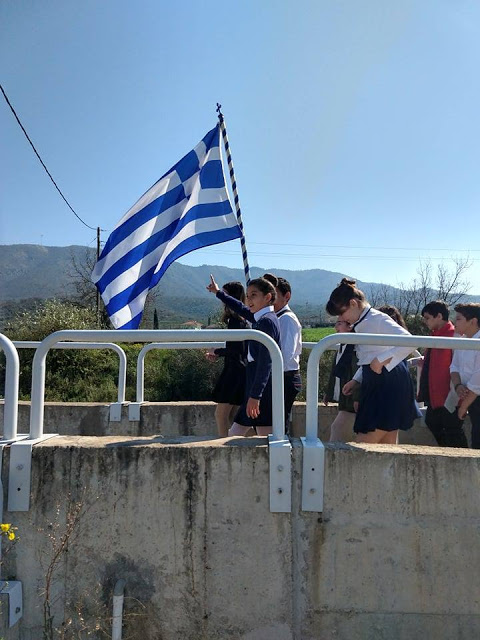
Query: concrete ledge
{"type": "Point", "coordinates": [186, 522]}
{"type": "Point", "coordinates": [178, 419]}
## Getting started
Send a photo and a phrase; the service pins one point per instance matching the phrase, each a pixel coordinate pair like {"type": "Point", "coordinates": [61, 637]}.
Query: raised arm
{"type": "Point", "coordinates": [232, 303]}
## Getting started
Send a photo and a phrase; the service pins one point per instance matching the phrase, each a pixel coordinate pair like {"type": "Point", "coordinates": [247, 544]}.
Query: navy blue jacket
{"type": "Point", "coordinates": [267, 324]}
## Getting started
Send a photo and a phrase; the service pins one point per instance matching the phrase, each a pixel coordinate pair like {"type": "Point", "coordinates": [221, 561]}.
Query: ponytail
{"type": "Point", "coordinates": [340, 297]}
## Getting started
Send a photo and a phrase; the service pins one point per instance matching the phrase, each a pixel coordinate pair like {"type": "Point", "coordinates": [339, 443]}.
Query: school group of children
{"type": "Point", "coordinates": [244, 389]}
{"type": "Point", "coordinates": [373, 388]}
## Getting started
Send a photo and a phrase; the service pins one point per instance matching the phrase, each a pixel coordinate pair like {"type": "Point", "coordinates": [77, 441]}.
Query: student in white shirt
{"type": "Point", "coordinates": [387, 397]}
{"type": "Point", "coordinates": [291, 341]}
{"type": "Point", "coordinates": [465, 368]}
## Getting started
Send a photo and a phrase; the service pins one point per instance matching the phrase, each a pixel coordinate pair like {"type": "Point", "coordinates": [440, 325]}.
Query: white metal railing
{"type": "Point", "coordinates": [370, 339]}
{"type": "Point", "coordinates": [181, 335]}
{"type": "Point", "coordinates": [165, 345]}
{"type": "Point", "coordinates": [313, 450]}
{"type": "Point", "coordinates": [122, 367]}
{"type": "Point", "coordinates": [12, 373]}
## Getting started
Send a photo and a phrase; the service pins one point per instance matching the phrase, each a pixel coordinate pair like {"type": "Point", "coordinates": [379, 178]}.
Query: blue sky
{"type": "Point", "coordinates": [353, 124]}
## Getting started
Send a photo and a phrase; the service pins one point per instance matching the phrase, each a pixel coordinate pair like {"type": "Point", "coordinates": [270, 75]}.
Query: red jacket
{"type": "Point", "coordinates": [439, 369]}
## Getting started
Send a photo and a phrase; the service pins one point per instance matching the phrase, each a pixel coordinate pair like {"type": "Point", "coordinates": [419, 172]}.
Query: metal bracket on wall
{"type": "Point", "coordinates": [313, 475]}
{"type": "Point", "coordinates": [13, 590]}
{"type": "Point", "coordinates": [115, 413]}
{"type": "Point", "coordinates": [134, 411]}
{"type": "Point", "coordinates": [280, 459]}
{"type": "Point", "coordinates": [19, 476]}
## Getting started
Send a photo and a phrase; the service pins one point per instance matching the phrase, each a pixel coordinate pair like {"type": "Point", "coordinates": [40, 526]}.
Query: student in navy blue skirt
{"type": "Point", "coordinates": [255, 413]}
{"type": "Point", "coordinates": [229, 389]}
{"type": "Point", "coordinates": [387, 396]}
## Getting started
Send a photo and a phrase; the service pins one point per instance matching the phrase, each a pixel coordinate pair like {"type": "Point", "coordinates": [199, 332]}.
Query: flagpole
{"type": "Point", "coordinates": [235, 194]}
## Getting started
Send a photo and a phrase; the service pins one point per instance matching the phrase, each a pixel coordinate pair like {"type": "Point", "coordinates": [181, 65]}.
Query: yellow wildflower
{"type": "Point", "coordinates": [5, 527]}
{"type": "Point", "coordinates": [11, 535]}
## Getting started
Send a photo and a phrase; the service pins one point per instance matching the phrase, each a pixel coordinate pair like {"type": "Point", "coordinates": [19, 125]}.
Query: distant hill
{"type": "Point", "coordinates": [29, 273]}
{"type": "Point", "coordinates": [34, 271]}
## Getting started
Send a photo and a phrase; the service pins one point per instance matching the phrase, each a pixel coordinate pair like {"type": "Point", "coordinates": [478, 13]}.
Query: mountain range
{"type": "Point", "coordinates": [30, 271]}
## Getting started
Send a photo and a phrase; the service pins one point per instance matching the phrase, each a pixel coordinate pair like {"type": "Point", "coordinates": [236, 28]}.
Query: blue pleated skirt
{"type": "Point", "coordinates": [387, 400]}
{"type": "Point", "coordinates": [265, 418]}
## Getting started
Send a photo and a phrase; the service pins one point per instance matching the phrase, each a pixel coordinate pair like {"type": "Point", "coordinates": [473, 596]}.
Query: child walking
{"type": "Point", "coordinates": [255, 413]}
{"type": "Point", "coordinates": [387, 398]}
{"type": "Point", "coordinates": [229, 390]}
{"type": "Point", "coordinates": [342, 427]}
{"type": "Point", "coordinates": [443, 422]}
{"type": "Point", "coordinates": [465, 368]}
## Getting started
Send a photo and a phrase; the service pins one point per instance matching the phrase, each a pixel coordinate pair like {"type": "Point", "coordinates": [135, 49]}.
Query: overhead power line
{"type": "Point", "coordinates": [349, 246]}
{"type": "Point", "coordinates": [42, 162]}
{"type": "Point", "coordinates": [329, 255]}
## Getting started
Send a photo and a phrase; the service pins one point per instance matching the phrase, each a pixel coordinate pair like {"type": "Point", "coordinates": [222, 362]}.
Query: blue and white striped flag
{"type": "Point", "coordinates": [188, 208]}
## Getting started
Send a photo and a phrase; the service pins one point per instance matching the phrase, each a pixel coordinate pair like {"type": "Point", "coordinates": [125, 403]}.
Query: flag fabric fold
{"type": "Point", "coordinates": [188, 208]}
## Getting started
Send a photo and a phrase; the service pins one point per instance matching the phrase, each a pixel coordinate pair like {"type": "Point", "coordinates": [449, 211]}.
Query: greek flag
{"type": "Point", "coordinates": [188, 208]}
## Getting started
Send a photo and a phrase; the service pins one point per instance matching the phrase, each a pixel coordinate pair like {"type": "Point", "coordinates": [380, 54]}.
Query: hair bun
{"type": "Point", "coordinates": [271, 278]}
{"type": "Point", "coordinates": [348, 282]}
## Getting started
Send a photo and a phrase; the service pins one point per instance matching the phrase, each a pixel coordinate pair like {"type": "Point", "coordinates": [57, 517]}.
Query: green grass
{"type": "Point", "coordinates": [314, 335]}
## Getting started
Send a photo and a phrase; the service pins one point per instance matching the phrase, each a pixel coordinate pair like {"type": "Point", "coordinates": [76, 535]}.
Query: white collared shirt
{"type": "Point", "coordinates": [378, 322]}
{"type": "Point", "coordinates": [257, 315]}
{"type": "Point", "coordinates": [290, 339]}
{"type": "Point", "coordinates": [467, 364]}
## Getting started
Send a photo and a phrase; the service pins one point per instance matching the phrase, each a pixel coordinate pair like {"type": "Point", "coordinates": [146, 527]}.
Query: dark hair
{"type": "Point", "coordinates": [236, 290]}
{"type": "Point", "coordinates": [435, 307]}
{"type": "Point", "coordinates": [469, 311]}
{"type": "Point", "coordinates": [341, 296]}
{"type": "Point", "coordinates": [280, 283]}
{"type": "Point", "coordinates": [394, 313]}
{"type": "Point", "coordinates": [264, 286]}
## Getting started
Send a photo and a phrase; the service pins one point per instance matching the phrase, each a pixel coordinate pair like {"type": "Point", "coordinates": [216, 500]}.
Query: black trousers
{"type": "Point", "coordinates": [292, 382]}
{"type": "Point", "coordinates": [447, 428]}
{"type": "Point", "coordinates": [474, 413]}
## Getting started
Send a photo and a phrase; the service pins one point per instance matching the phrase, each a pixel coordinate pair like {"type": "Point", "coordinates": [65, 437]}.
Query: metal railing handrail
{"type": "Point", "coordinates": [140, 392]}
{"type": "Point", "coordinates": [157, 335]}
{"type": "Point", "coordinates": [12, 374]}
{"type": "Point", "coordinates": [382, 340]}
{"type": "Point", "coordinates": [122, 367]}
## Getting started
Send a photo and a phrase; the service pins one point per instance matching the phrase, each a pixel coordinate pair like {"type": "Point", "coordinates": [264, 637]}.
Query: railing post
{"type": "Point", "coordinates": [10, 415]}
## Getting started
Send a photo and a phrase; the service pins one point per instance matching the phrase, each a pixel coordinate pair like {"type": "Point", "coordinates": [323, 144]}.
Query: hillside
{"type": "Point", "coordinates": [29, 273]}
{"type": "Point", "coordinates": [34, 271]}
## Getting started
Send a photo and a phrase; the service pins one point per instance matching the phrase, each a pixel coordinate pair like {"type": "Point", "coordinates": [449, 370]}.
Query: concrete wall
{"type": "Point", "coordinates": [187, 523]}
{"type": "Point", "coordinates": [177, 418]}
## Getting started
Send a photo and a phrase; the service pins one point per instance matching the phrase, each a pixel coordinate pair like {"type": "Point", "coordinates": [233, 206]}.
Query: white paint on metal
{"type": "Point", "coordinates": [280, 471]}
{"type": "Point", "coordinates": [122, 367]}
{"type": "Point", "coordinates": [313, 475]}
{"type": "Point", "coordinates": [19, 476]}
{"type": "Point", "coordinates": [10, 416]}
{"type": "Point", "coordinates": [13, 590]}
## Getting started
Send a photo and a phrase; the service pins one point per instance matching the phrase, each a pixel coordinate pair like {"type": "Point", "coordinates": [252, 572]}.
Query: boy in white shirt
{"type": "Point", "coordinates": [290, 340]}
{"type": "Point", "coordinates": [465, 368]}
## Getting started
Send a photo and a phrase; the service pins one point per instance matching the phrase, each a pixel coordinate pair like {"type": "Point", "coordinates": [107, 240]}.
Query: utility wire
{"type": "Point", "coordinates": [348, 246]}
{"type": "Point", "coordinates": [328, 255]}
{"type": "Point", "coordinates": [42, 162]}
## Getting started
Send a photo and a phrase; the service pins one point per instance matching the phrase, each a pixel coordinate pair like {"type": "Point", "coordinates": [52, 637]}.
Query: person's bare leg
{"type": "Point", "coordinates": [264, 431]}
{"type": "Point", "coordinates": [372, 437]}
{"type": "Point", "coordinates": [240, 430]}
{"type": "Point", "coordinates": [378, 437]}
{"type": "Point", "coordinates": [222, 418]}
{"type": "Point", "coordinates": [390, 437]}
{"type": "Point", "coordinates": [233, 413]}
{"type": "Point", "coordinates": [341, 429]}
